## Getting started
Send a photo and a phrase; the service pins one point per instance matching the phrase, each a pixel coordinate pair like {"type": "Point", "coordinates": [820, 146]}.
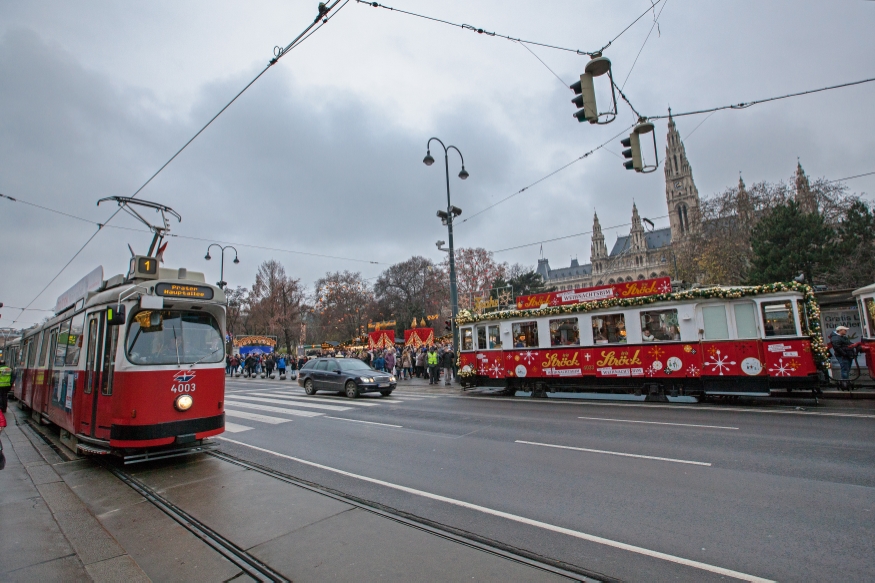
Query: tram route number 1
{"type": "Point", "coordinates": [182, 388]}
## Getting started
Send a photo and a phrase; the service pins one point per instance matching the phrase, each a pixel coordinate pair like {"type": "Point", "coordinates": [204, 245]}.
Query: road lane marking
{"type": "Point", "coordinates": [654, 406]}
{"type": "Point", "coordinates": [234, 428]}
{"type": "Point", "coordinates": [255, 417]}
{"type": "Point", "coordinates": [646, 457]}
{"type": "Point", "coordinates": [368, 422]}
{"type": "Point", "coordinates": [520, 519]}
{"type": "Point", "coordinates": [315, 398]}
{"type": "Point", "coordinates": [657, 423]}
{"type": "Point", "coordinates": [296, 403]}
{"type": "Point", "coordinates": [269, 409]}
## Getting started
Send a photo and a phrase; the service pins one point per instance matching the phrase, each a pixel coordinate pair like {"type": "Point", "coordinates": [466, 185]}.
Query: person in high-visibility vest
{"type": "Point", "coordinates": [5, 384]}
{"type": "Point", "coordinates": [433, 370]}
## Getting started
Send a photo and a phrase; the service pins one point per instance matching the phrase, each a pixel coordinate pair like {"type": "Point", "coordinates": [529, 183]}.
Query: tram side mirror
{"type": "Point", "coordinates": [115, 316]}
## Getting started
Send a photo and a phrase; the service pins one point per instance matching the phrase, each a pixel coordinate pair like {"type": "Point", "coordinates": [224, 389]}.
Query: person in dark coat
{"type": "Point", "coordinates": [845, 352]}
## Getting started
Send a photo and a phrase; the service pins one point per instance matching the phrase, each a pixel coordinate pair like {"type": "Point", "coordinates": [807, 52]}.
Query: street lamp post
{"type": "Point", "coordinates": [447, 218]}
{"type": "Point", "coordinates": [222, 283]}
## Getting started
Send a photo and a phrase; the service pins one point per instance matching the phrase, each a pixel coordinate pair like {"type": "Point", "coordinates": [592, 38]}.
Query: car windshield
{"type": "Point", "coordinates": [352, 364]}
{"type": "Point", "coordinates": [174, 337]}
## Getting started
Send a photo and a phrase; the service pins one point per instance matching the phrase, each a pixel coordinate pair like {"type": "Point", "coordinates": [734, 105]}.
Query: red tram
{"type": "Point", "coordinates": [639, 341]}
{"type": "Point", "coordinates": [132, 365]}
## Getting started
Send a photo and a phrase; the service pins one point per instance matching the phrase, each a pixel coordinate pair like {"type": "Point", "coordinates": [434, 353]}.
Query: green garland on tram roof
{"type": "Point", "coordinates": [812, 308]}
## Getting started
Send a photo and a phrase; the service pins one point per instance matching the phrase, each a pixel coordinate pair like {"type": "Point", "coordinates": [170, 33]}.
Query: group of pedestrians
{"type": "Point", "coordinates": [423, 362]}
{"type": "Point", "coordinates": [261, 364]}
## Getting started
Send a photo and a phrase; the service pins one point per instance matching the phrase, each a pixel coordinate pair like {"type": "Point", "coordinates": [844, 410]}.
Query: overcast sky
{"type": "Point", "coordinates": [324, 153]}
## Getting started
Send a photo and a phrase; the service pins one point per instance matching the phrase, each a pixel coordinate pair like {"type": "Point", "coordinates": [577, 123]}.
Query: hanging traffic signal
{"type": "Point", "coordinates": [585, 92]}
{"type": "Point", "coordinates": [635, 161]}
{"type": "Point", "coordinates": [633, 153]}
{"type": "Point", "coordinates": [447, 325]}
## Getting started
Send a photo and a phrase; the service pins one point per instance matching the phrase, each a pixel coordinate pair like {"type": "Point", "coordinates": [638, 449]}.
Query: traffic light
{"type": "Point", "coordinates": [635, 161]}
{"type": "Point", "coordinates": [447, 325]}
{"type": "Point", "coordinates": [633, 143]}
{"type": "Point", "coordinates": [585, 92]}
{"type": "Point", "coordinates": [585, 100]}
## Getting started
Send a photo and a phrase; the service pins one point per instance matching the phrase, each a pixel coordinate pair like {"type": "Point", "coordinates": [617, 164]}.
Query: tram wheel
{"type": "Point", "coordinates": [309, 388]}
{"type": "Point", "coordinates": [352, 390]}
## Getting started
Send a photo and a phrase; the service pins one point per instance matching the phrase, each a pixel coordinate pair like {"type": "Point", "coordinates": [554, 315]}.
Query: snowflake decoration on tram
{"type": "Point", "coordinates": [504, 298]}
{"type": "Point", "coordinates": [529, 356]}
{"type": "Point", "coordinates": [496, 369]}
{"type": "Point", "coordinates": [781, 369]}
{"type": "Point", "coordinates": [656, 352]}
{"type": "Point", "coordinates": [693, 371]}
{"type": "Point", "coordinates": [719, 363]}
{"type": "Point", "coordinates": [665, 287]}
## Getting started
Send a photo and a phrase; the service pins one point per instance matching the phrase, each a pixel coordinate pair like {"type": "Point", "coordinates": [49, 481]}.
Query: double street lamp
{"type": "Point", "coordinates": [222, 283]}
{"type": "Point", "coordinates": [447, 219]}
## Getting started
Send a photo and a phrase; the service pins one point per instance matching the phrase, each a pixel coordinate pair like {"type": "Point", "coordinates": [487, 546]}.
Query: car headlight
{"type": "Point", "coordinates": [392, 379]}
{"type": "Point", "coordinates": [366, 379]}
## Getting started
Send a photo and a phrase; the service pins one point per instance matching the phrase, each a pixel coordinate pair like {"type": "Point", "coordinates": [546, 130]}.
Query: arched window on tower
{"type": "Point", "coordinates": [676, 167]}
{"type": "Point", "coordinates": [686, 219]}
{"type": "Point", "coordinates": [681, 222]}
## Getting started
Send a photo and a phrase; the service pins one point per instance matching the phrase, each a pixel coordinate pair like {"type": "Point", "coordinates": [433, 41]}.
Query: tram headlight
{"type": "Point", "coordinates": [183, 402]}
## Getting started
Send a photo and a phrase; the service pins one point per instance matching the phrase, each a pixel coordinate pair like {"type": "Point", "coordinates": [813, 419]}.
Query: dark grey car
{"type": "Point", "coordinates": [344, 375]}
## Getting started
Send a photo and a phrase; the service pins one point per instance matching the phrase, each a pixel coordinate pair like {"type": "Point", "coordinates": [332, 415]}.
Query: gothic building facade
{"type": "Point", "coordinates": [643, 253]}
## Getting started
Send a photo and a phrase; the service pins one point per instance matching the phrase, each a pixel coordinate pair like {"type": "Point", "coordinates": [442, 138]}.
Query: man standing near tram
{"type": "Point", "coordinates": [845, 353]}
{"type": "Point", "coordinates": [6, 380]}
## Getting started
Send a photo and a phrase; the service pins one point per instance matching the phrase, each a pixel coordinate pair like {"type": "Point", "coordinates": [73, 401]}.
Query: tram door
{"type": "Point", "coordinates": [100, 366]}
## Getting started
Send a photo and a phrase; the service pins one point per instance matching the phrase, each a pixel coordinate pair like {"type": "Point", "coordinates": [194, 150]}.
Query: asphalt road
{"type": "Point", "coordinates": [636, 492]}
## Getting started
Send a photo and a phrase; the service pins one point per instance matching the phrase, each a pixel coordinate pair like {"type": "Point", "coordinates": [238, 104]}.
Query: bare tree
{"type": "Point", "coordinates": [412, 289]}
{"type": "Point", "coordinates": [343, 302]}
{"type": "Point", "coordinates": [476, 270]}
{"type": "Point", "coordinates": [276, 303]}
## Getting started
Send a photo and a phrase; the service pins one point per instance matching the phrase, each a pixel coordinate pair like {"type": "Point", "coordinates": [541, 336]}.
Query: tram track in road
{"type": "Point", "coordinates": [459, 536]}
{"type": "Point", "coordinates": [239, 557]}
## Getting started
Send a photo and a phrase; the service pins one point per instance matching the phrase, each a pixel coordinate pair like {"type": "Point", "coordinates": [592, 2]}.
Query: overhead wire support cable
{"type": "Point", "coordinates": [746, 104]}
{"type": "Point", "coordinates": [655, 25]}
{"type": "Point", "coordinates": [279, 52]}
{"type": "Point", "coordinates": [553, 173]}
{"type": "Point", "coordinates": [570, 236]}
{"type": "Point", "coordinates": [507, 37]}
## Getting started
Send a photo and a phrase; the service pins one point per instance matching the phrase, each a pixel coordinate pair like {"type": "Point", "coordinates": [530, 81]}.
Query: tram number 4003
{"type": "Point", "coordinates": [182, 388]}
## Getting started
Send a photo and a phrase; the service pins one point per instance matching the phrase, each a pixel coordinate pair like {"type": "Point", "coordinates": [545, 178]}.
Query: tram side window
{"type": "Point", "coordinates": [62, 343]}
{"type": "Point", "coordinates": [74, 341]}
{"type": "Point", "coordinates": [779, 319]}
{"type": "Point", "coordinates": [494, 337]}
{"type": "Point", "coordinates": [869, 309]}
{"type": "Point", "coordinates": [467, 339]}
{"type": "Point", "coordinates": [525, 334]}
{"type": "Point", "coordinates": [714, 322]}
{"type": "Point", "coordinates": [31, 351]}
{"type": "Point", "coordinates": [43, 349]}
{"type": "Point", "coordinates": [481, 337]}
{"type": "Point", "coordinates": [803, 318]}
{"type": "Point", "coordinates": [609, 329]}
{"type": "Point", "coordinates": [110, 349]}
{"type": "Point", "coordinates": [746, 320]}
{"type": "Point", "coordinates": [564, 332]}
{"type": "Point", "coordinates": [660, 326]}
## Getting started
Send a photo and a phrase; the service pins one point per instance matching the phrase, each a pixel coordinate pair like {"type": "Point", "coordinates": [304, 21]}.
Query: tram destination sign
{"type": "Point", "coordinates": [628, 289]}
{"type": "Point", "coordinates": [179, 290]}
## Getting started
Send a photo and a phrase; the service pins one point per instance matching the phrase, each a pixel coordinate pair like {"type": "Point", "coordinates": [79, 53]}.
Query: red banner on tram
{"type": "Point", "coordinates": [628, 289]}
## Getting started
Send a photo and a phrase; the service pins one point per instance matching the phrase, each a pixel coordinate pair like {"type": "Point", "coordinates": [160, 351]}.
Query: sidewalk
{"type": "Point", "coordinates": [46, 532]}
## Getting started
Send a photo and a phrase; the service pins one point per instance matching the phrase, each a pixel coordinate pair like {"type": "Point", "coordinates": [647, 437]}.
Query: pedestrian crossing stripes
{"type": "Point", "coordinates": [296, 398]}
{"type": "Point", "coordinates": [306, 405]}
{"type": "Point", "coordinates": [270, 409]}
{"type": "Point", "coordinates": [234, 428]}
{"type": "Point", "coordinates": [255, 417]}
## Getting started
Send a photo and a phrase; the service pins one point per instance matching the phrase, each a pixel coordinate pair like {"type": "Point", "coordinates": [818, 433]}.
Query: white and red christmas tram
{"type": "Point", "coordinates": [639, 341]}
{"type": "Point", "coordinates": [866, 302]}
{"type": "Point", "coordinates": [132, 365]}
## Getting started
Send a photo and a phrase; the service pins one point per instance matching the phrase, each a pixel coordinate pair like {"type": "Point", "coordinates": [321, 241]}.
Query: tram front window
{"type": "Point", "coordinates": [174, 337]}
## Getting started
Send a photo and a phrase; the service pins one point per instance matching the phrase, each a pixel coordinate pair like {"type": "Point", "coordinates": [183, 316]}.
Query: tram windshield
{"type": "Point", "coordinates": [174, 337]}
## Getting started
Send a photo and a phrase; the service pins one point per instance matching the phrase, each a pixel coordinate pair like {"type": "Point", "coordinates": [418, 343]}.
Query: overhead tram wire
{"type": "Point", "coordinates": [551, 174]}
{"type": "Point", "coordinates": [570, 236]}
{"type": "Point", "coordinates": [746, 104]}
{"type": "Point", "coordinates": [134, 229]}
{"type": "Point", "coordinates": [655, 25]}
{"type": "Point", "coordinates": [507, 37]}
{"type": "Point", "coordinates": [279, 52]}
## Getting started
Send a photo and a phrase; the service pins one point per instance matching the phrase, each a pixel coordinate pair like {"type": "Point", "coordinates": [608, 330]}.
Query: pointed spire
{"type": "Point", "coordinates": [637, 232]}
{"type": "Point", "coordinates": [598, 250]}
{"type": "Point", "coordinates": [804, 197]}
